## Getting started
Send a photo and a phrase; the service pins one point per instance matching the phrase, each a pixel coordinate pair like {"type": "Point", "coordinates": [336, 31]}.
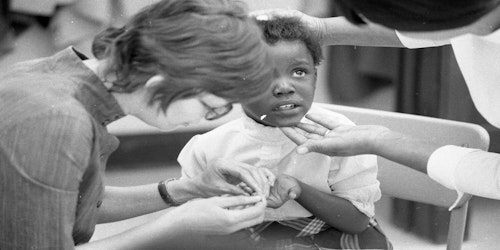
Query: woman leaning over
{"type": "Point", "coordinates": [174, 63]}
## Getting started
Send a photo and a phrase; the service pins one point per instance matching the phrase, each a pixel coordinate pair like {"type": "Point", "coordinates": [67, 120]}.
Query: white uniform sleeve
{"type": "Point", "coordinates": [466, 170]}
{"type": "Point", "coordinates": [415, 42]}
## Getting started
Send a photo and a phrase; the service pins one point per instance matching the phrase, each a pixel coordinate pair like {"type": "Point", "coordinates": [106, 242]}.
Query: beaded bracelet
{"type": "Point", "coordinates": [162, 189]}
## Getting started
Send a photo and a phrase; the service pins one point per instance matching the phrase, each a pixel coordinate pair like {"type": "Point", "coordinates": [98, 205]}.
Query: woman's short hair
{"type": "Point", "coordinates": [194, 44]}
{"type": "Point", "coordinates": [416, 15]}
{"type": "Point", "coordinates": [291, 29]}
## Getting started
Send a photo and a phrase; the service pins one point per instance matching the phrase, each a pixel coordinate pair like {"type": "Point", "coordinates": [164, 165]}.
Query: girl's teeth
{"type": "Point", "coordinates": [287, 106]}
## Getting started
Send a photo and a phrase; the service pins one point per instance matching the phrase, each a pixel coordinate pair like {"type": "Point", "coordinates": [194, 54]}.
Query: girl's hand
{"type": "Point", "coordinates": [285, 188]}
{"type": "Point", "coordinates": [314, 24]}
{"type": "Point", "coordinates": [329, 136]}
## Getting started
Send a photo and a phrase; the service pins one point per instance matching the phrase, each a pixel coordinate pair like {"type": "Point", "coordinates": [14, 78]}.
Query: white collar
{"type": "Point", "coordinates": [262, 132]}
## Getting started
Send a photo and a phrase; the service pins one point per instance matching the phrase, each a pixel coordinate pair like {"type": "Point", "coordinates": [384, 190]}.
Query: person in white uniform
{"type": "Point", "coordinates": [472, 29]}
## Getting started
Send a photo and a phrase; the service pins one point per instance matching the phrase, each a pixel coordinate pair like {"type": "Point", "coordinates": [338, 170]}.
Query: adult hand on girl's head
{"type": "Point", "coordinates": [314, 24]}
{"type": "Point", "coordinates": [331, 137]}
{"type": "Point", "coordinates": [223, 177]}
{"type": "Point", "coordinates": [215, 216]}
{"type": "Point", "coordinates": [285, 188]}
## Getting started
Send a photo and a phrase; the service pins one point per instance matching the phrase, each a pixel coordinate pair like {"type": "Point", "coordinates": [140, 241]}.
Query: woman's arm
{"type": "Point", "coordinates": [471, 171]}
{"type": "Point", "coordinates": [122, 203]}
{"type": "Point", "coordinates": [350, 140]}
{"type": "Point", "coordinates": [184, 224]}
{"type": "Point", "coordinates": [337, 30]}
{"type": "Point", "coordinates": [466, 170]}
{"type": "Point", "coordinates": [221, 177]}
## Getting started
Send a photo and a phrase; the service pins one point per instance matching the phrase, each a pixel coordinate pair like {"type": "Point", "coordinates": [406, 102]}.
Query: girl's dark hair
{"type": "Point", "coordinates": [416, 15]}
{"type": "Point", "coordinates": [290, 29]}
{"type": "Point", "coordinates": [205, 44]}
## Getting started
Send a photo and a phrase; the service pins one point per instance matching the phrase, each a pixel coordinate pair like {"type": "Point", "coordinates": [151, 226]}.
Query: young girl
{"type": "Point", "coordinates": [334, 196]}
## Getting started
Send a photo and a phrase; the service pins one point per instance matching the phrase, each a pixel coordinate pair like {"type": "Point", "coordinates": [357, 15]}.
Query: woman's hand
{"type": "Point", "coordinates": [314, 24]}
{"type": "Point", "coordinates": [329, 136]}
{"type": "Point", "coordinates": [184, 227]}
{"type": "Point", "coordinates": [224, 176]}
{"type": "Point", "coordinates": [285, 188]}
{"type": "Point", "coordinates": [218, 215]}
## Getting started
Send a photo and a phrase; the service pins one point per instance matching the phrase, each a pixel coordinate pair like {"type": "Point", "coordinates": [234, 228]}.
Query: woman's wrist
{"type": "Point", "coordinates": [165, 194]}
{"type": "Point", "coordinates": [383, 140]}
{"type": "Point", "coordinates": [182, 190]}
{"type": "Point", "coordinates": [404, 149]}
{"type": "Point", "coordinates": [319, 26]}
{"type": "Point", "coordinates": [329, 31]}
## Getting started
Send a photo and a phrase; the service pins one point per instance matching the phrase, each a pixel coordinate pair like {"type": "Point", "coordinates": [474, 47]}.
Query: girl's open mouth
{"type": "Point", "coordinates": [285, 107]}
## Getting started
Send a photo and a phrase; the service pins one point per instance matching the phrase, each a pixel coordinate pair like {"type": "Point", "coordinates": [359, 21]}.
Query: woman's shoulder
{"type": "Point", "coordinates": [40, 110]}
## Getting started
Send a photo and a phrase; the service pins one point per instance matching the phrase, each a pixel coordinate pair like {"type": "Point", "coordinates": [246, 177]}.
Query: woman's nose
{"type": "Point", "coordinates": [283, 87]}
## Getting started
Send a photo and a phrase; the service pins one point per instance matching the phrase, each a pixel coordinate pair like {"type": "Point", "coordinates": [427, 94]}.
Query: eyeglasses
{"type": "Point", "coordinates": [212, 113]}
{"type": "Point", "coordinates": [216, 113]}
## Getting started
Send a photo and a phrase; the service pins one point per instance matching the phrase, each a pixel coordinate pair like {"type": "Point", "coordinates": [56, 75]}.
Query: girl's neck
{"type": "Point", "coordinates": [260, 120]}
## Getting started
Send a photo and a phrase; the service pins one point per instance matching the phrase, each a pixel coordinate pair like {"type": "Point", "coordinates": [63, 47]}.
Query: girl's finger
{"type": "Point", "coordinates": [258, 176]}
{"type": "Point", "coordinates": [245, 175]}
{"type": "Point", "coordinates": [271, 178]}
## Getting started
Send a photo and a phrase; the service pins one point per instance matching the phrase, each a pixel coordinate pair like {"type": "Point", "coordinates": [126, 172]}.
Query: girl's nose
{"type": "Point", "coordinates": [282, 88]}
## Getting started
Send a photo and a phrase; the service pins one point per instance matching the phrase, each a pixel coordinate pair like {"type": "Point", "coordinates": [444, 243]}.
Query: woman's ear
{"type": "Point", "coordinates": [154, 82]}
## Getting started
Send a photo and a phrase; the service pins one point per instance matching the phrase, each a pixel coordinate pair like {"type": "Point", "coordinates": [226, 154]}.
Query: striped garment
{"type": "Point", "coordinates": [309, 235]}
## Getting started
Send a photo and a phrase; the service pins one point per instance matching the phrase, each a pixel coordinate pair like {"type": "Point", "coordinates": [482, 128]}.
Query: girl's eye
{"type": "Point", "coordinates": [299, 73]}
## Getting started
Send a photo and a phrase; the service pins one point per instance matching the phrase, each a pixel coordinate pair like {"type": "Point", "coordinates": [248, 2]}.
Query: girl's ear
{"type": "Point", "coordinates": [154, 81]}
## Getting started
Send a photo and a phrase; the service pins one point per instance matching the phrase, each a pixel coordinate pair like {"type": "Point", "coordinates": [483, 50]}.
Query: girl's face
{"type": "Point", "coordinates": [185, 112]}
{"type": "Point", "coordinates": [292, 89]}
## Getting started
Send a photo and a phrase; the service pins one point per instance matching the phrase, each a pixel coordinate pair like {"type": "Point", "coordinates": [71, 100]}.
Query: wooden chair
{"type": "Point", "coordinates": [405, 183]}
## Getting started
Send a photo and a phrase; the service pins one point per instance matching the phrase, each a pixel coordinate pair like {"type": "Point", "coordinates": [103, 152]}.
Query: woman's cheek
{"type": "Point", "coordinates": [182, 112]}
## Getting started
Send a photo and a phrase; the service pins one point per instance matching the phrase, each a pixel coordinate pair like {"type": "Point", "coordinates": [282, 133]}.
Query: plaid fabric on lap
{"type": "Point", "coordinates": [304, 226]}
{"type": "Point", "coordinates": [308, 231]}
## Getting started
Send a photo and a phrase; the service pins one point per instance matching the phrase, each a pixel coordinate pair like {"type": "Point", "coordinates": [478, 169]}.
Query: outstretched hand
{"type": "Point", "coordinates": [331, 137]}
{"type": "Point", "coordinates": [285, 188]}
